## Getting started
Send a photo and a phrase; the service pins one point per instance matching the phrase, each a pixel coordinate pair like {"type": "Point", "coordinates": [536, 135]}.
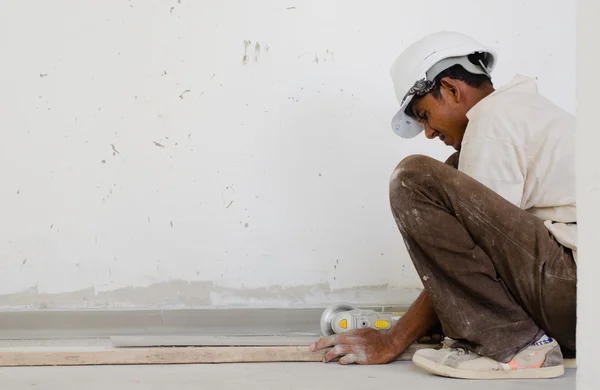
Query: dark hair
{"type": "Point", "coordinates": [457, 72]}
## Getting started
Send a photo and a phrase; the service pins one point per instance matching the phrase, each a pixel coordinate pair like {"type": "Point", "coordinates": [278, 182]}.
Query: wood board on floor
{"type": "Point", "coordinates": [167, 355]}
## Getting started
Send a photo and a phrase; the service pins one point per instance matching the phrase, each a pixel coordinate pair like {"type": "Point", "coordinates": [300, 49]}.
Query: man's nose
{"type": "Point", "coordinates": [429, 132]}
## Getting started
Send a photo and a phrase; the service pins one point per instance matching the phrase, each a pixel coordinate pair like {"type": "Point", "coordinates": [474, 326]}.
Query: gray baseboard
{"type": "Point", "coordinates": [72, 324]}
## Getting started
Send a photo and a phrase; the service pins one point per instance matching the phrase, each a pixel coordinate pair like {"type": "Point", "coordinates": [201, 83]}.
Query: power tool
{"type": "Point", "coordinates": [343, 317]}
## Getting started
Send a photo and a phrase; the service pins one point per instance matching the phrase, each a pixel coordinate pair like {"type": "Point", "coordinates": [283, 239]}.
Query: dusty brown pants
{"type": "Point", "coordinates": [497, 279]}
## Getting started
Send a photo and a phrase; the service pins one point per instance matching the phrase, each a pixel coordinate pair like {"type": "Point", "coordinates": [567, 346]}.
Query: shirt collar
{"type": "Point", "coordinates": [519, 83]}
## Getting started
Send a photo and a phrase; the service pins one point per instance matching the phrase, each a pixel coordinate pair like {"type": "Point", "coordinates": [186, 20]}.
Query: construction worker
{"type": "Point", "coordinates": [491, 232]}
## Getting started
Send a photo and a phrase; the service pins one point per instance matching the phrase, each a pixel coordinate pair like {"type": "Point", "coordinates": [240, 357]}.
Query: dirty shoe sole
{"type": "Point", "coordinates": [531, 373]}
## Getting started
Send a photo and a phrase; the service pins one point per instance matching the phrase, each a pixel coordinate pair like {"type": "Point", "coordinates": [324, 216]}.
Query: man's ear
{"type": "Point", "coordinates": [451, 87]}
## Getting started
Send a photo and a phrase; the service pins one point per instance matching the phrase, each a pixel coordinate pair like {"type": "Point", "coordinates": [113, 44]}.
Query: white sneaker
{"type": "Point", "coordinates": [540, 360]}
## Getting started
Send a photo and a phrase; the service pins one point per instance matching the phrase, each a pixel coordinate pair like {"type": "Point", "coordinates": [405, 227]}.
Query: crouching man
{"type": "Point", "coordinates": [491, 232]}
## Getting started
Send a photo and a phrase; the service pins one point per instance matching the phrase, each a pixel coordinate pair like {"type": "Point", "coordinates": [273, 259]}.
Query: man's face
{"type": "Point", "coordinates": [443, 117]}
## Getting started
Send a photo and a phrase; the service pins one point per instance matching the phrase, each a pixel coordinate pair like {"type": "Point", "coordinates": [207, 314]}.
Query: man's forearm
{"type": "Point", "coordinates": [419, 318]}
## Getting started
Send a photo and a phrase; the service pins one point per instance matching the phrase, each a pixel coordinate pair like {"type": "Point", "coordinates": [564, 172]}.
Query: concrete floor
{"type": "Point", "coordinates": [263, 376]}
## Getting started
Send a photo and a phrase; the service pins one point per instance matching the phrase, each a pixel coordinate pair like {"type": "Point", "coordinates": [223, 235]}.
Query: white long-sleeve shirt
{"type": "Point", "coordinates": [522, 146]}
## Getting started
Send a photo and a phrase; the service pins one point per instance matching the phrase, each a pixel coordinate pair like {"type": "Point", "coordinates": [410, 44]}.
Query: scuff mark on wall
{"type": "Point", "coordinates": [227, 195]}
{"type": "Point", "coordinates": [256, 51]}
{"type": "Point", "coordinates": [311, 295]}
{"type": "Point", "coordinates": [179, 293]}
{"type": "Point", "coordinates": [195, 293]}
{"type": "Point", "coordinates": [245, 57]}
{"type": "Point", "coordinates": [330, 53]}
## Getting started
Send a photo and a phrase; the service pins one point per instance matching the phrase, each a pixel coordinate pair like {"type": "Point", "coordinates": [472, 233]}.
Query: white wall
{"type": "Point", "coordinates": [588, 189]}
{"type": "Point", "coordinates": [269, 186]}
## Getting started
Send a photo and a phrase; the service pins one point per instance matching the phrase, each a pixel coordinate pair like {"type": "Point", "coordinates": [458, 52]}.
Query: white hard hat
{"type": "Point", "coordinates": [423, 61]}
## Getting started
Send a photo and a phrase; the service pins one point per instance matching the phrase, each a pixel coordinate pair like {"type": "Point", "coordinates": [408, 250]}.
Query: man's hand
{"type": "Point", "coordinates": [371, 346]}
{"type": "Point", "coordinates": [360, 346]}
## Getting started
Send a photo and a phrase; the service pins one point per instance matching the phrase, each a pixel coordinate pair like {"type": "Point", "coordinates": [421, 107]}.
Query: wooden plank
{"type": "Point", "coordinates": [158, 356]}
{"type": "Point", "coordinates": [174, 355]}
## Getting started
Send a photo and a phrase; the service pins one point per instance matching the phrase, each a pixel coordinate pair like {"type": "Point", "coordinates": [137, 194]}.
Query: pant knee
{"type": "Point", "coordinates": [409, 171]}
{"type": "Point", "coordinates": [406, 189]}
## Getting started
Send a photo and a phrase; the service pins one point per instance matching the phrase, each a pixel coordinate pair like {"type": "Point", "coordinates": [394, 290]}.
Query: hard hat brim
{"type": "Point", "coordinates": [404, 125]}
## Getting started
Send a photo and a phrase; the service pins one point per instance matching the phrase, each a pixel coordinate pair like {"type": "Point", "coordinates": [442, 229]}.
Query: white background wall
{"type": "Point", "coordinates": [588, 187]}
{"type": "Point", "coordinates": [264, 184]}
